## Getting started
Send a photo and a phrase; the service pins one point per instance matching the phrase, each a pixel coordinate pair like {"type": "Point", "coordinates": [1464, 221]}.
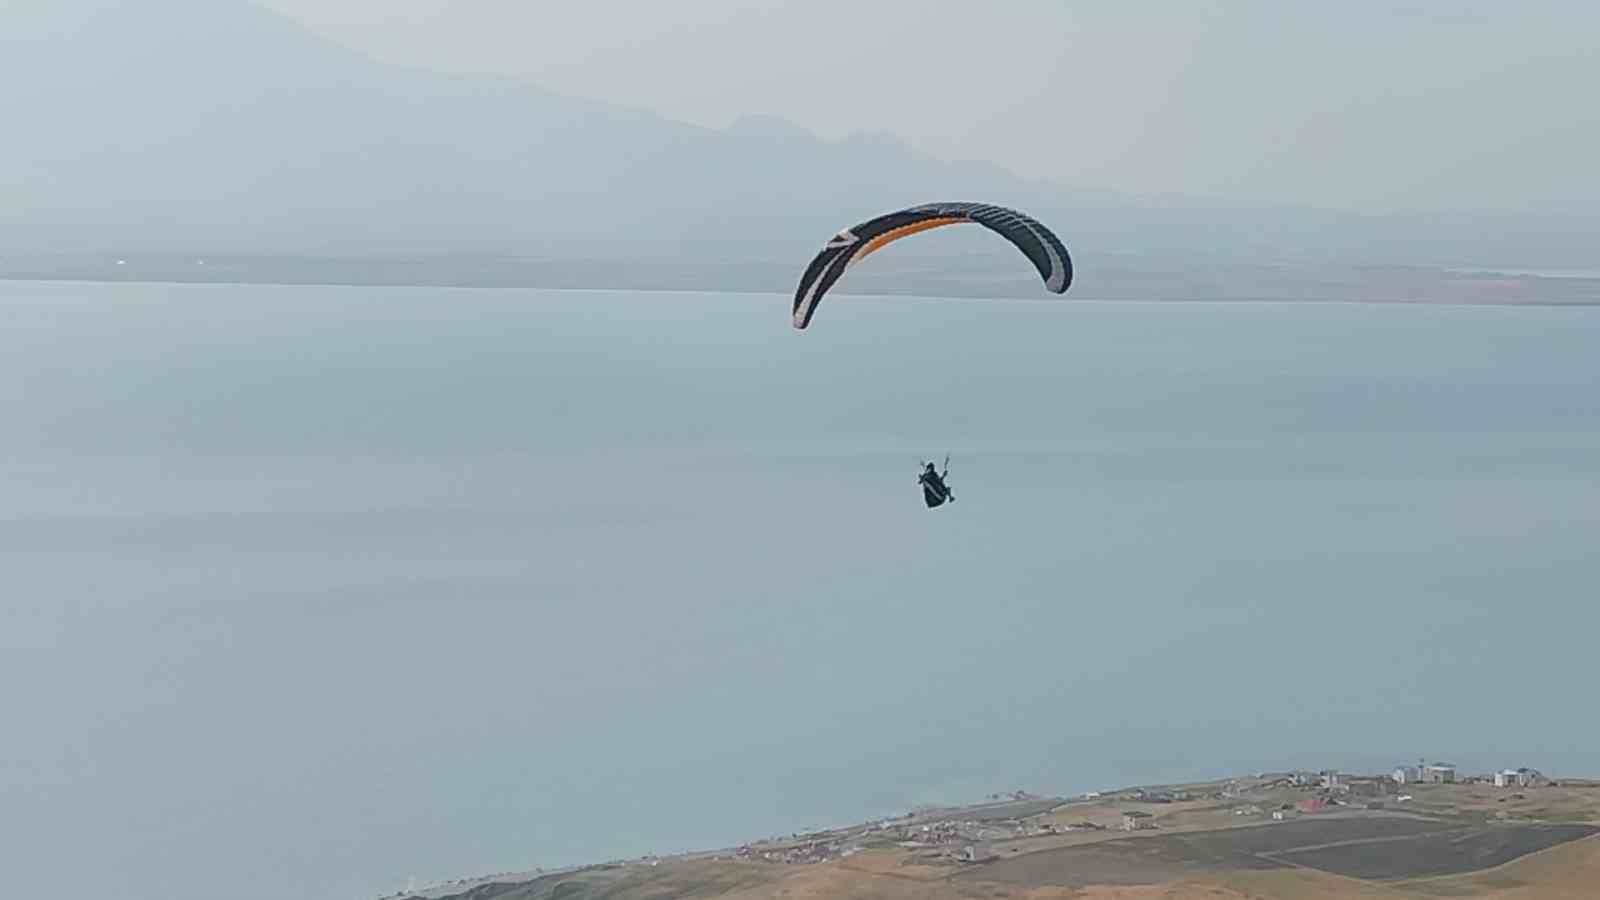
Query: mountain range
{"type": "Point", "coordinates": [217, 126]}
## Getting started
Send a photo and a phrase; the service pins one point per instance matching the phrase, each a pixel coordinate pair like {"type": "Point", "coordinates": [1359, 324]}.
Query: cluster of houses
{"type": "Point", "coordinates": [935, 834]}
{"type": "Point", "coordinates": [1423, 773]}
{"type": "Point", "coordinates": [1337, 789]}
{"type": "Point", "coordinates": [970, 841]}
{"type": "Point", "coordinates": [804, 853]}
{"type": "Point", "coordinates": [1520, 778]}
{"type": "Point", "coordinates": [1331, 781]}
{"type": "Point", "coordinates": [1445, 773]}
{"type": "Point", "coordinates": [1433, 773]}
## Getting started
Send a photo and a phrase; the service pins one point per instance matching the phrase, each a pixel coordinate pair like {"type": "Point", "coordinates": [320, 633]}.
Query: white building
{"type": "Point", "coordinates": [1407, 774]}
{"type": "Point", "coordinates": [1439, 773]}
{"type": "Point", "coordinates": [1136, 821]}
{"type": "Point", "coordinates": [977, 853]}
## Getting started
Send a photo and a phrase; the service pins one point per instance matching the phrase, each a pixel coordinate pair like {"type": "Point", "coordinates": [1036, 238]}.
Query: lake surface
{"type": "Point", "coordinates": [309, 591]}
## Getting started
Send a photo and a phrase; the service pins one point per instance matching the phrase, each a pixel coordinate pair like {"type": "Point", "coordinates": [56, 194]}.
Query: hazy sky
{"type": "Point", "coordinates": [1364, 104]}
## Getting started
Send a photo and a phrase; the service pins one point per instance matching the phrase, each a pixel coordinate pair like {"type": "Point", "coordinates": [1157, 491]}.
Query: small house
{"type": "Point", "coordinates": [976, 853]}
{"type": "Point", "coordinates": [1137, 821]}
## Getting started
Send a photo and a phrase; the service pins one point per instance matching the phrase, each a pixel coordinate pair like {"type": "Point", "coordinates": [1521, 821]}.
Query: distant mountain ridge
{"type": "Point", "coordinates": [241, 131]}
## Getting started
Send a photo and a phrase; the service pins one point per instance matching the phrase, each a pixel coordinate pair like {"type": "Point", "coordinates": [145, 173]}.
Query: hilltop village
{"type": "Point", "coordinates": [1433, 819]}
{"type": "Point", "coordinates": [981, 833]}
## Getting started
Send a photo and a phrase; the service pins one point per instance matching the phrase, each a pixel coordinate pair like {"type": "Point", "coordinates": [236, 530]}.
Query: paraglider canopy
{"type": "Point", "coordinates": [851, 245]}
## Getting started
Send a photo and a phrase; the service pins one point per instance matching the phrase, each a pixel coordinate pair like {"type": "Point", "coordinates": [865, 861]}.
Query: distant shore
{"type": "Point", "coordinates": [980, 277]}
{"type": "Point", "coordinates": [1228, 834]}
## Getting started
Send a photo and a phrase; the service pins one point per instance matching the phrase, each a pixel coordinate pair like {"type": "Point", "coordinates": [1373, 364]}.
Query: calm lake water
{"type": "Point", "coordinates": [310, 590]}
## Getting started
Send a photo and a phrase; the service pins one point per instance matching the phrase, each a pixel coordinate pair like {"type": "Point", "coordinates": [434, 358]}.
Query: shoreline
{"type": "Point", "coordinates": [908, 295]}
{"type": "Point", "coordinates": [975, 840]}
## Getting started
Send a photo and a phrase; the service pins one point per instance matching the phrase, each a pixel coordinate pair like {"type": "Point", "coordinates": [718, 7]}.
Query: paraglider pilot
{"type": "Point", "coordinates": [934, 490]}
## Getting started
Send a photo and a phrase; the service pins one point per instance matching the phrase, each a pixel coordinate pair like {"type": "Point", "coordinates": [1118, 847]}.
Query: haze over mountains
{"type": "Point", "coordinates": [242, 132]}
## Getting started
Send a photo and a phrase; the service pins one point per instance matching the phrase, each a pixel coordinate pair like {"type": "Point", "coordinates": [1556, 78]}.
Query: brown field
{"type": "Point", "coordinates": [1377, 848]}
{"type": "Point", "coordinates": [1440, 853]}
{"type": "Point", "coordinates": [1568, 872]}
{"type": "Point", "coordinates": [1125, 862]}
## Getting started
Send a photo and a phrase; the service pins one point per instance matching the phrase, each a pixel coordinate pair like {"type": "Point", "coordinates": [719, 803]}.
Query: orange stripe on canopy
{"type": "Point", "coordinates": [905, 231]}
